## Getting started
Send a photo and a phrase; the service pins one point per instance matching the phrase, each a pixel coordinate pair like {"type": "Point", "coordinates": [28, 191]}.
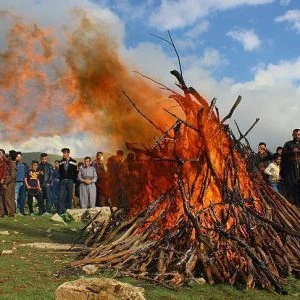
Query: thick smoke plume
{"type": "Point", "coordinates": [69, 82]}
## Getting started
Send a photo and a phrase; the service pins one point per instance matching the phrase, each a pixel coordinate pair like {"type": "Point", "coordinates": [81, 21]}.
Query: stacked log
{"type": "Point", "coordinates": [202, 212]}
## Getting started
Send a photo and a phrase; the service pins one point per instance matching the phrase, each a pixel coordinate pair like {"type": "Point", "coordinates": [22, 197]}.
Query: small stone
{"type": "Point", "coordinates": [90, 269]}
{"type": "Point", "coordinates": [16, 232]}
{"type": "Point", "coordinates": [58, 218]}
{"type": "Point", "coordinates": [3, 241]}
{"type": "Point", "coordinates": [201, 280]}
{"type": "Point", "coordinates": [4, 232]}
{"type": "Point", "coordinates": [48, 230]}
{"type": "Point", "coordinates": [6, 252]}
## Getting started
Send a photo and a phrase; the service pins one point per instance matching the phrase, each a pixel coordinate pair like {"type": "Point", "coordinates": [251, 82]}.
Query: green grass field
{"type": "Point", "coordinates": [30, 273]}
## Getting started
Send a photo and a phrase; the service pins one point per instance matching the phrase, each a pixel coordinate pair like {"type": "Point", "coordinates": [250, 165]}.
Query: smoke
{"type": "Point", "coordinates": [71, 82]}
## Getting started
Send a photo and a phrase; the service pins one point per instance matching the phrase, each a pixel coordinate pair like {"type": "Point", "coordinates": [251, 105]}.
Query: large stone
{"type": "Point", "coordinates": [76, 214]}
{"type": "Point", "coordinates": [103, 214]}
{"type": "Point", "coordinates": [98, 288]}
{"type": "Point", "coordinates": [85, 215]}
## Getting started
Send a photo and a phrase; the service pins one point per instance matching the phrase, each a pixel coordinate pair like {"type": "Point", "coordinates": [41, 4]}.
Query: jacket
{"type": "Point", "coordinates": [71, 170]}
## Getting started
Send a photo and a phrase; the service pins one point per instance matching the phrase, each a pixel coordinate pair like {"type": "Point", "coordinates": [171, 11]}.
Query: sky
{"type": "Point", "coordinates": [227, 48]}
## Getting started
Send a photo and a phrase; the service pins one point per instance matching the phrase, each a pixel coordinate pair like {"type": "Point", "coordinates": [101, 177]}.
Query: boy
{"type": "Point", "coordinates": [273, 170]}
{"type": "Point", "coordinates": [33, 186]}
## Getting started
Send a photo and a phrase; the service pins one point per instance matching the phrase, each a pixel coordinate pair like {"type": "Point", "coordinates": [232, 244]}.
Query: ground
{"type": "Point", "coordinates": [31, 273]}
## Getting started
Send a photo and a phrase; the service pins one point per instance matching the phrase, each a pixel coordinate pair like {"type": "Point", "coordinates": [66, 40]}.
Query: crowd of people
{"type": "Point", "coordinates": [94, 183]}
{"type": "Point", "coordinates": [56, 188]}
{"type": "Point", "coordinates": [282, 169]}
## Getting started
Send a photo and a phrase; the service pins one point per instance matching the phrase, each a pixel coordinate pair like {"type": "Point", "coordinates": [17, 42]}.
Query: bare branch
{"type": "Point", "coordinates": [142, 114]}
{"type": "Point", "coordinates": [235, 105]}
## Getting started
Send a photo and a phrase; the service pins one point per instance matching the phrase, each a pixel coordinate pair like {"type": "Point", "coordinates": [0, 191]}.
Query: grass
{"type": "Point", "coordinates": [29, 273]}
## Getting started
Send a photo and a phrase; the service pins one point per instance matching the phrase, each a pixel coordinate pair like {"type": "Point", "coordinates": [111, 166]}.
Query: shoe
{"type": "Point", "coordinates": [45, 214]}
{"type": "Point", "coordinates": [20, 215]}
{"type": "Point", "coordinates": [32, 214]}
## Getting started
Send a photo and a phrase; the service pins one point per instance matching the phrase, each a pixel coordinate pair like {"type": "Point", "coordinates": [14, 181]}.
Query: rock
{"type": "Point", "coordinates": [76, 214]}
{"type": "Point", "coordinates": [98, 288]}
{"type": "Point", "coordinates": [201, 280]}
{"type": "Point", "coordinates": [90, 269]}
{"type": "Point", "coordinates": [57, 218]}
{"type": "Point", "coordinates": [48, 230]}
{"type": "Point", "coordinates": [52, 246]}
{"type": "Point", "coordinates": [103, 214]}
{"type": "Point", "coordinates": [16, 232]}
{"type": "Point", "coordinates": [4, 233]}
{"type": "Point", "coordinates": [6, 252]}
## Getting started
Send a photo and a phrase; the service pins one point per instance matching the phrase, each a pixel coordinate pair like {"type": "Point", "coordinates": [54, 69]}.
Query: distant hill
{"type": "Point", "coordinates": [30, 156]}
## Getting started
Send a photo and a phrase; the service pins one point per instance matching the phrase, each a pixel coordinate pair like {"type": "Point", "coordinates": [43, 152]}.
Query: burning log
{"type": "Point", "coordinates": [201, 210]}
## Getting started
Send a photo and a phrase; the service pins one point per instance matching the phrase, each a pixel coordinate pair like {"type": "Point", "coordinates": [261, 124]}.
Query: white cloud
{"type": "Point", "coordinates": [272, 94]}
{"type": "Point", "coordinates": [248, 38]}
{"type": "Point", "coordinates": [57, 13]}
{"type": "Point", "coordinates": [285, 2]}
{"type": "Point", "coordinates": [178, 14]}
{"type": "Point", "coordinates": [292, 17]}
{"type": "Point", "coordinates": [198, 29]}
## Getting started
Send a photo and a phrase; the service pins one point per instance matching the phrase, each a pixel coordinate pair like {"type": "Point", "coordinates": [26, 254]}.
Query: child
{"type": "Point", "coordinates": [273, 170]}
{"type": "Point", "coordinates": [32, 182]}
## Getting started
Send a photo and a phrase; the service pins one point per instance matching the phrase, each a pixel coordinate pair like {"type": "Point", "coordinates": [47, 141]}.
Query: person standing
{"type": "Point", "coordinates": [20, 190]}
{"type": "Point", "coordinates": [264, 158]}
{"type": "Point", "coordinates": [55, 184]}
{"type": "Point", "coordinates": [98, 164]}
{"type": "Point", "coordinates": [46, 170]}
{"type": "Point", "coordinates": [290, 168]}
{"type": "Point", "coordinates": [115, 175]}
{"type": "Point", "coordinates": [273, 171]}
{"type": "Point", "coordinates": [33, 186]}
{"type": "Point", "coordinates": [87, 177]}
{"type": "Point", "coordinates": [10, 183]}
{"type": "Point", "coordinates": [67, 174]}
{"type": "Point", "coordinates": [3, 169]}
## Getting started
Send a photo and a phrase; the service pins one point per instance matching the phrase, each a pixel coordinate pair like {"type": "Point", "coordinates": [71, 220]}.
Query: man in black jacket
{"type": "Point", "coordinates": [67, 173]}
{"type": "Point", "coordinates": [46, 180]}
{"type": "Point", "coordinates": [290, 168]}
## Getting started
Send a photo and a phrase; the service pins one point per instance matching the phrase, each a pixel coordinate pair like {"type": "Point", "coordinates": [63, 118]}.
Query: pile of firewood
{"type": "Point", "coordinates": [202, 212]}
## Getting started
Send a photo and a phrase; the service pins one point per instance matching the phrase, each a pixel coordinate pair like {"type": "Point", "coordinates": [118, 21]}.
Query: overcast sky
{"type": "Point", "coordinates": [227, 48]}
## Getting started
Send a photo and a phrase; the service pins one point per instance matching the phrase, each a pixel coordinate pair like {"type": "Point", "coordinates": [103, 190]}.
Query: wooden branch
{"type": "Point", "coordinates": [142, 114]}
{"type": "Point", "coordinates": [244, 136]}
{"type": "Point", "coordinates": [191, 217]}
{"type": "Point", "coordinates": [235, 105]}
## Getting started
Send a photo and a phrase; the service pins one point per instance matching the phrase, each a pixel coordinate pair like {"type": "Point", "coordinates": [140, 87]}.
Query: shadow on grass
{"type": "Point", "coordinates": [35, 229]}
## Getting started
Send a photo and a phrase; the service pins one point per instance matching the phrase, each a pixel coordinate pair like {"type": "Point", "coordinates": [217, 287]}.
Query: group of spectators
{"type": "Point", "coordinates": [55, 188]}
{"type": "Point", "coordinates": [282, 169]}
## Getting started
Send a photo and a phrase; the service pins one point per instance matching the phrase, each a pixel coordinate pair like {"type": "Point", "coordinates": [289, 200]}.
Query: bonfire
{"type": "Point", "coordinates": [197, 209]}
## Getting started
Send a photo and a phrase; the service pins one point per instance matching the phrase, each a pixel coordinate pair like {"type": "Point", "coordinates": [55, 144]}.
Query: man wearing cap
{"type": "Point", "coordinates": [68, 174]}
